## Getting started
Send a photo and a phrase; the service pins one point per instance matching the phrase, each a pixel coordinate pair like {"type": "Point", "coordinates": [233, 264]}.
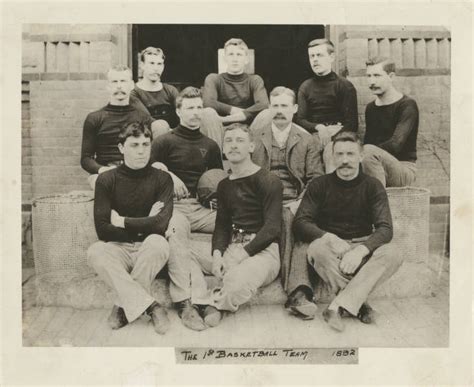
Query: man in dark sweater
{"type": "Point", "coordinates": [391, 128]}
{"type": "Point", "coordinates": [186, 154]}
{"type": "Point", "coordinates": [233, 96]}
{"type": "Point", "coordinates": [248, 225]}
{"type": "Point", "coordinates": [99, 151]}
{"type": "Point", "coordinates": [152, 96]}
{"type": "Point", "coordinates": [343, 223]}
{"type": "Point", "coordinates": [327, 103]}
{"type": "Point", "coordinates": [132, 208]}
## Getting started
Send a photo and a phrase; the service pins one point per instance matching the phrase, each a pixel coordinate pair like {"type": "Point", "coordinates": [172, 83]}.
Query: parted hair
{"type": "Point", "coordinates": [135, 129]}
{"type": "Point", "coordinates": [388, 64]}
{"type": "Point", "coordinates": [279, 90]}
{"type": "Point", "coordinates": [345, 136]}
{"type": "Point", "coordinates": [151, 51]}
{"type": "Point", "coordinates": [236, 42]}
{"type": "Point", "coordinates": [319, 42]}
{"type": "Point", "coordinates": [189, 92]}
{"type": "Point", "coordinates": [238, 125]}
{"type": "Point", "coordinates": [120, 68]}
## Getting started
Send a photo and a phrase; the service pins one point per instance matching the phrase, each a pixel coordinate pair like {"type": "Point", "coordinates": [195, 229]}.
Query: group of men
{"type": "Point", "coordinates": [314, 173]}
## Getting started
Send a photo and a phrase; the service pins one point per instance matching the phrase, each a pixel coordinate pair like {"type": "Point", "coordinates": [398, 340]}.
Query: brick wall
{"type": "Point", "coordinates": [58, 110]}
{"type": "Point", "coordinates": [432, 94]}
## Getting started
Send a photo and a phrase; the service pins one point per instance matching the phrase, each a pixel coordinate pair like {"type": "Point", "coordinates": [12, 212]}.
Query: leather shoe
{"type": "Point", "coordinates": [366, 314]}
{"type": "Point", "coordinates": [190, 316]}
{"type": "Point", "coordinates": [117, 318]}
{"type": "Point", "coordinates": [299, 304]}
{"type": "Point", "coordinates": [212, 316]}
{"type": "Point", "coordinates": [159, 318]}
{"type": "Point", "coordinates": [334, 319]}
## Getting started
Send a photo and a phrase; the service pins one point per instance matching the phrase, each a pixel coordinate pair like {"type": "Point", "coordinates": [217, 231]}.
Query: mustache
{"type": "Point", "coordinates": [278, 115]}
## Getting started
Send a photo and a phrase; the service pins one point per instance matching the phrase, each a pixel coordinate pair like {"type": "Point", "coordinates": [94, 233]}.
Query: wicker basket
{"type": "Point", "coordinates": [63, 230]}
{"type": "Point", "coordinates": [410, 207]}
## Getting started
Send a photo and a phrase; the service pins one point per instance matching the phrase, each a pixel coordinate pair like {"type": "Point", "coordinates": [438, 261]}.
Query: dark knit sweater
{"type": "Point", "coordinates": [393, 127]}
{"type": "Point", "coordinates": [251, 203]}
{"type": "Point", "coordinates": [349, 209]}
{"type": "Point", "coordinates": [159, 104]}
{"type": "Point", "coordinates": [327, 99]}
{"type": "Point", "coordinates": [132, 194]}
{"type": "Point", "coordinates": [187, 153]}
{"type": "Point", "coordinates": [224, 91]}
{"type": "Point", "coordinates": [100, 135]}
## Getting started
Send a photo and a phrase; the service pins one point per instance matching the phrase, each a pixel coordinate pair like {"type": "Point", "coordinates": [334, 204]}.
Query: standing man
{"type": "Point", "coordinates": [294, 156]}
{"type": "Point", "coordinates": [327, 102]}
{"type": "Point", "coordinates": [99, 151]}
{"type": "Point", "coordinates": [391, 128]}
{"type": "Point", "coordinates": [343, 222]}
{"type": "Point", "coordinates": [245, 240]}
{"type": "Point", "coordinates": [152, 96]}
{"type": "Point", "coordinates": [133, 205]}
{"type": "Point", "coordinates": [233, 96]}
{"type": "Point", "coordinates": [186, 154]}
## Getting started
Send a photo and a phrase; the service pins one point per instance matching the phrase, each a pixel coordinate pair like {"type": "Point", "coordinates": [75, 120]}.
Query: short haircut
{"type": "Point", "coordinates": [244, 127]}
{"type": "Point", "coordinates": [388, 64]}
{"type": "Point", "coordinates": [236, 42]}
{"type": "Point", "coordinates": [320, 42]}
{"type": "Point", "coordinates": [187, 93]}
{"type": "Point", "coordinates": [120, 68]}
{"type": "Point", "coordinates": [151, 51]}
{"type": "Point", "coordinates": [345, 136]}
{"type": "Point", "coordinates": [279, 90]}
{"type": "Point", "coordinates": [135, 129]}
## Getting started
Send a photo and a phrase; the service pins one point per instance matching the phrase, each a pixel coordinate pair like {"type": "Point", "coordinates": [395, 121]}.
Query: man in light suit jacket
{"type": "Point", "coordinates": [294, 156]}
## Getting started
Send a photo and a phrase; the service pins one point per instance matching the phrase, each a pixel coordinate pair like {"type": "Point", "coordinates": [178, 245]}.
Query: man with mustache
{"type": "Point", "coordinates": [391, 128]}
{"type": "Point", "coordinates": [344, 223]}
{"type": "Point", "coordinates": [327, 102]}
{"type": "Point", "coordinates": [153, 96]}
{"type": "Point", "coordinates": [186, 154]}
{"type": "Point", "coordinates": [233, 96]}
{"type": "Point", "coordinates": [294, 156]}
{"type": "Point", "coordinates": [99, 151]}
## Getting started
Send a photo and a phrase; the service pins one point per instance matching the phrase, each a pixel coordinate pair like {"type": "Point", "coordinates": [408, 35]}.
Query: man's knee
{"type": "Point", "coordinates": [158, 243]}
{"type": "Point", "coordinates": [317, 252]}
{"type": "Point", "coordinates": [179, 226]}
{"type": "Point", "coordinates": [209, 112]}
{"type": "Point", "coordinates": [159, 127]}
{"type": "Point", "coordinates": [370, 152]}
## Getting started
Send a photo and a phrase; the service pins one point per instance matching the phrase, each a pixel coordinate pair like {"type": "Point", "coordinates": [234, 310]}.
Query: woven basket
{"type": "Point", "coordinates": [63, 230]}
{"type": "Point", "coordinates": [410, 207]}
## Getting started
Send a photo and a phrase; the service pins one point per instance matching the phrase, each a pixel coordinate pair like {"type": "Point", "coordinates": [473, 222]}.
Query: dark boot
{"type": "Point", "coordinates": [190, 315]}
{"type": "Point", "coordinates": [366, 314]}
{"type": "Point", "coordinates": [159, 318]}
{"type": "Point", "coordinates": [301, 304]}
{"type": "Point", "coordinates": [117, 318]}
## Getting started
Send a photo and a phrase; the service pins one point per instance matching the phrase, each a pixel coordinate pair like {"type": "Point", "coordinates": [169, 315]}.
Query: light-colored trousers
{"type": "Point", "coordinates": [130, 268]}
{"type": "Point", "coordinates": [188, 215]}
{"type": "Point", "coordinates": [352, 290]}
{"type": "Point", "coordinates": [242, 280]}
{"type": "Point", "coordinates": [212, 127]}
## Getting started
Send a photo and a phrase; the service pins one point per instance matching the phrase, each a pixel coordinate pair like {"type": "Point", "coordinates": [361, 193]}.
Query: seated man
{"type": "Point", "coordinates": [345, 218]}
{"type": "Point", "coordinates": [327, 102]}
{"type": "Point", "coordinates": [248, 225]}
{"type": "Point", "coordinates": [101, 128]}
{"type": "Point", "coordinates": [186, 153]}
{"type": "Point", "coordinates": [294, 156]}
{"type": "Point", "coordinates": [233, 96]}
{"type": "Point", "coordinates": [152, 96]}
{"type": "Point", "coordinates": [133, 205]}
{"type": "Point", "coordinates": [391, 128]}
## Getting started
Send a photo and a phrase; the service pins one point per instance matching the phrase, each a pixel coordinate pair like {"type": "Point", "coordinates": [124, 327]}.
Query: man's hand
{"type": "Point", "coordinates": [235, 110]}
{"type": "Point", "coordinates": [156, 208]}
{"type": "Point", "coordinates": [338, 245]}
{"type": "Point", "coordinates": [352, 259]}
{"type": "Point", "coordinates": [180, 190]}
{"type": "Point", "coordinates": [217, 264]}
{"type": "Point", "coordinates": [213, 204]}
{"type": "Point", "coordinates": [106, 168]}
{"type": "Point", "coordinates": [333, 129]}
{"type": "Point", "coordinates": [116, 219]}
{"type": "Point", "coordinates": [323, 134]}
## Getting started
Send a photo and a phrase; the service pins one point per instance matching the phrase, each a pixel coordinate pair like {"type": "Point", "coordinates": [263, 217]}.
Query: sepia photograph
{"type": "Point", "coordinates": [283, 189]}
{"type": "Point", "coordinates": [255, 275]}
